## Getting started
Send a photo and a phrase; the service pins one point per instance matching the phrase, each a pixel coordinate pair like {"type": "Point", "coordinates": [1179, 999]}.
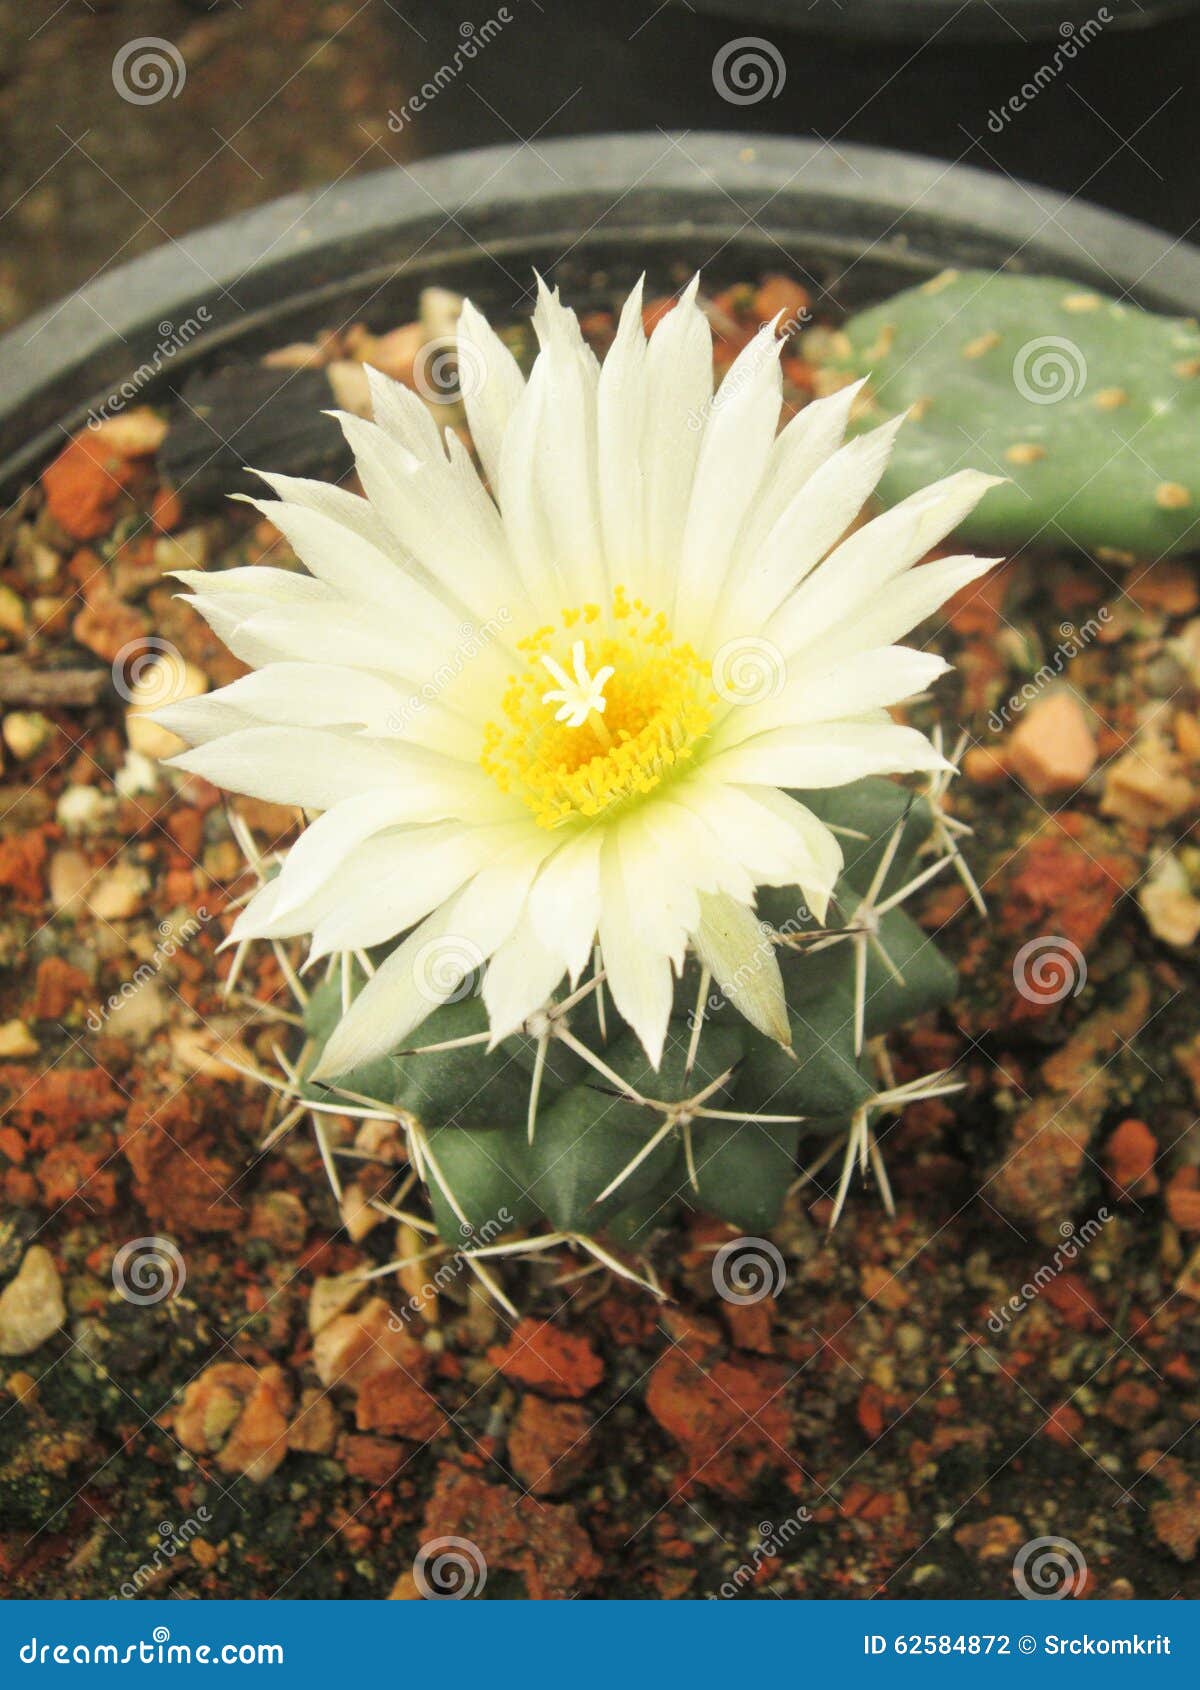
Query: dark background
{"type": "Point", "coordinates": [283, 94]}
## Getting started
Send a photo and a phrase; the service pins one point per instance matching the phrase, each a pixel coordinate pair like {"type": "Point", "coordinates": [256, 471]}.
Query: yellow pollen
{"type": "Point", "coordinates": [652, 708]}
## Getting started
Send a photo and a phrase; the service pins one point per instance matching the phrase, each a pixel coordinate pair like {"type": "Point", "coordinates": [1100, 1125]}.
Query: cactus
{"type": "Point", "coordinates": [567, 1123]}
{"type": "Point", "coordinates": [1090, 406]}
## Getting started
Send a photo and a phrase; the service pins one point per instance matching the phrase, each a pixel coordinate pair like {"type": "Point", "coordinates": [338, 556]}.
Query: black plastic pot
{"type": "Point", "coordinates": [857, 224]}
{"type": "Point", "coordinates": [956, 20]}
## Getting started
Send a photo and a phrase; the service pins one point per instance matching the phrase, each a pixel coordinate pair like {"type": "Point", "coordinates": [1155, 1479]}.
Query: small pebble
{"type": "Point", "coordinates": [31, 1306]}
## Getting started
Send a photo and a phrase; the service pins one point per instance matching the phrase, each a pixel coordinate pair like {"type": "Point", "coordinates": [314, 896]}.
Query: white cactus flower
{"type": "Point", "coordinates": [716, 631]}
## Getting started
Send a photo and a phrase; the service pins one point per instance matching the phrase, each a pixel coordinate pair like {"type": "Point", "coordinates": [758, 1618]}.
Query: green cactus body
{"type": "Point", "coordinates": [1090, 406]}
{"type": "Point", "coordinates": [617, 1147]}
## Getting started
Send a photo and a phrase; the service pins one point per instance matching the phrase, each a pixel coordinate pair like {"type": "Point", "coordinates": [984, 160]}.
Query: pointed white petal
{"type": "Point", "coordinates": [620, 404]}
{"type": "Point", "coordinates": [678, 392]}
{"type": "Point", "coordinates": [815, 520]}
{"type": "Point", "coordinates": [734, 946]}
{"type": "Point", "coordinates": [491, 383]}
{"type": "Point", "coordinates": [868, 680]}
{"type": "Point", "coordinates": [638, 977]}
{"type": "Point", "coordinates": [520, 978]}
{"type": "Point", "coordinates": [858, 571]}
{"type": "Point", "coordinates": [312, 767]}
{"type": "Point", "coordinates": [828, 754]}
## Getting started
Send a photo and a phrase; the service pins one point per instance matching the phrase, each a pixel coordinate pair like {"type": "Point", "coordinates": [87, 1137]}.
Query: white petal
{"type": "Point", "coordinates": [868, 562]}
{"type": "Point", "coordinates": [312, 767]}
{"type": "Point", "coordinates": [265, 917]}
{"type": "Point", "coordinates": [492, 384]}
{"type": "Point", "coordinates": [620, 404]}
{"type": "Point", "coordinates": [734, 945]}
{"type": "Point", "coordinates": [777, 840]}
{"type": "Point", "coordinates": [400, 413]}
{"type": "Point", "coordinates": [197, 720]}
{"type": "Point", "coordinates": [424, 971]}
{"type": "Point", "coordinates": [458, 543]}
{"type": "Point", "coordinates": [321, 850]}
{"type": "Point", "coordinates": [639, 978]}
{"type": "Point", "coordinates": [867, 681]}
{"type": "Point", "coordinates": [811, 438]}
{"type": "Point", "coordinates": [828, 754]}
{"type": "Point", "coordinates": [421, 867]}
{"type": "Point", "coordinates": [818, 515]}
{"type": "Point", "coordinates": [906, 603]}
{"type": "Point", "coordinates": [352, 566]}
{"type": "Point", "coordinates": [520, 978]}
{"type": "Point", "coordinates": [678, 391]}
{"type": "Point", "coordinates": [257, 584]}
{"type": "Point", "coordinates": [564, 903]}
{"type": "Point", "coordinates": [733, 455]}
{"type": "Point", "coordinates": [564, 463]}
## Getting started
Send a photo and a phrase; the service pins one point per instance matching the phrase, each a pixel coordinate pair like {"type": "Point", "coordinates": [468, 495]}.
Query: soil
{"type": "Point", "coordinates": [1015, 1355]}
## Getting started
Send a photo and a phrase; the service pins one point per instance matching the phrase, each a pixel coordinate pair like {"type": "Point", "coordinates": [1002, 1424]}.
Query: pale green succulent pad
{"type": "Point", "coordinates": [1089, 405]}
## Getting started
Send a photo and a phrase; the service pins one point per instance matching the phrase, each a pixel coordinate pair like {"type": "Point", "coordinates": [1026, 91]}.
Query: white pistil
{"type": "Point", "coordinates": [581, 697]}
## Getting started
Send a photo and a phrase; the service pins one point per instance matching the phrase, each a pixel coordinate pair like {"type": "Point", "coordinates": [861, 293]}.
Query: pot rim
{"type": "Point", "coordinates": [688, 193]}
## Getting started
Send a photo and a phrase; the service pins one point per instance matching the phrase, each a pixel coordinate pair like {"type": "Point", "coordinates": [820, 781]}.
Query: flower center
{"type": "Point", "coordinates": [603, 711]}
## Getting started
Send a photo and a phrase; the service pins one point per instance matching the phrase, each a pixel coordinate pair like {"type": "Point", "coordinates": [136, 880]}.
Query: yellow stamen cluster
{"type": "Point", "coordinates": [658, 702]}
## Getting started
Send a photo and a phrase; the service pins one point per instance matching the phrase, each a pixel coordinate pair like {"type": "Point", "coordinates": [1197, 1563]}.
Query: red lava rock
{"type": "Point", "coordinates": [107, 625]}
{"type": "Point", "coordinates": [872, 1418]}
{"type": "Point", "coordinates": [1050, 1136]}
{"type": "Point", "coordinates": [22, 858]}
{"type": "Point", "coordinates": [1056, 888]}
{"type": "Point", "coordinates": [239, 1413]}
{"type": "Point", "coordinates": [731, 1420]}
{"type": "Point", "coordinates": [59, 987]}
{"type": "Point", "coordinates": [1129, 1157]}
{"type": "Point", "coordinates": [1131, 1403]}
{"type": "Point", "coordinates": [1176, 1524]}
{"type": "Point", "coordinates": [1071, 1297]}
{"type": "Point", "coordinates": [376, 1460]}
{"type": "Point", "coordinates": [83, 485]}
{"type": "Point", "coordinates": [354, 1347]}
{"type": "Point", "coordinates": [182, 1182]}
{"type": "Point", "coordinates": [1064, 1426]}
{"type": "Point", "coordinates": [695, 1333]}
{"type": "Point", "coordinates": [548, 1444]}
{"type": "Point", "coordinates": [781, 294]}
{"type": "Point", "coordinates": [750, 1325]}
{"type": "Point", "coordinates": [393, 1402]}
{"type": "Point", "coordinates": [994, 1539]}
{"type": "Point", "coordinates": [543, 1542]}
{"type": "Point", "coordinates": [1183, 1199]}
{"type": "Point", "coordinates": [547, 1359]}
